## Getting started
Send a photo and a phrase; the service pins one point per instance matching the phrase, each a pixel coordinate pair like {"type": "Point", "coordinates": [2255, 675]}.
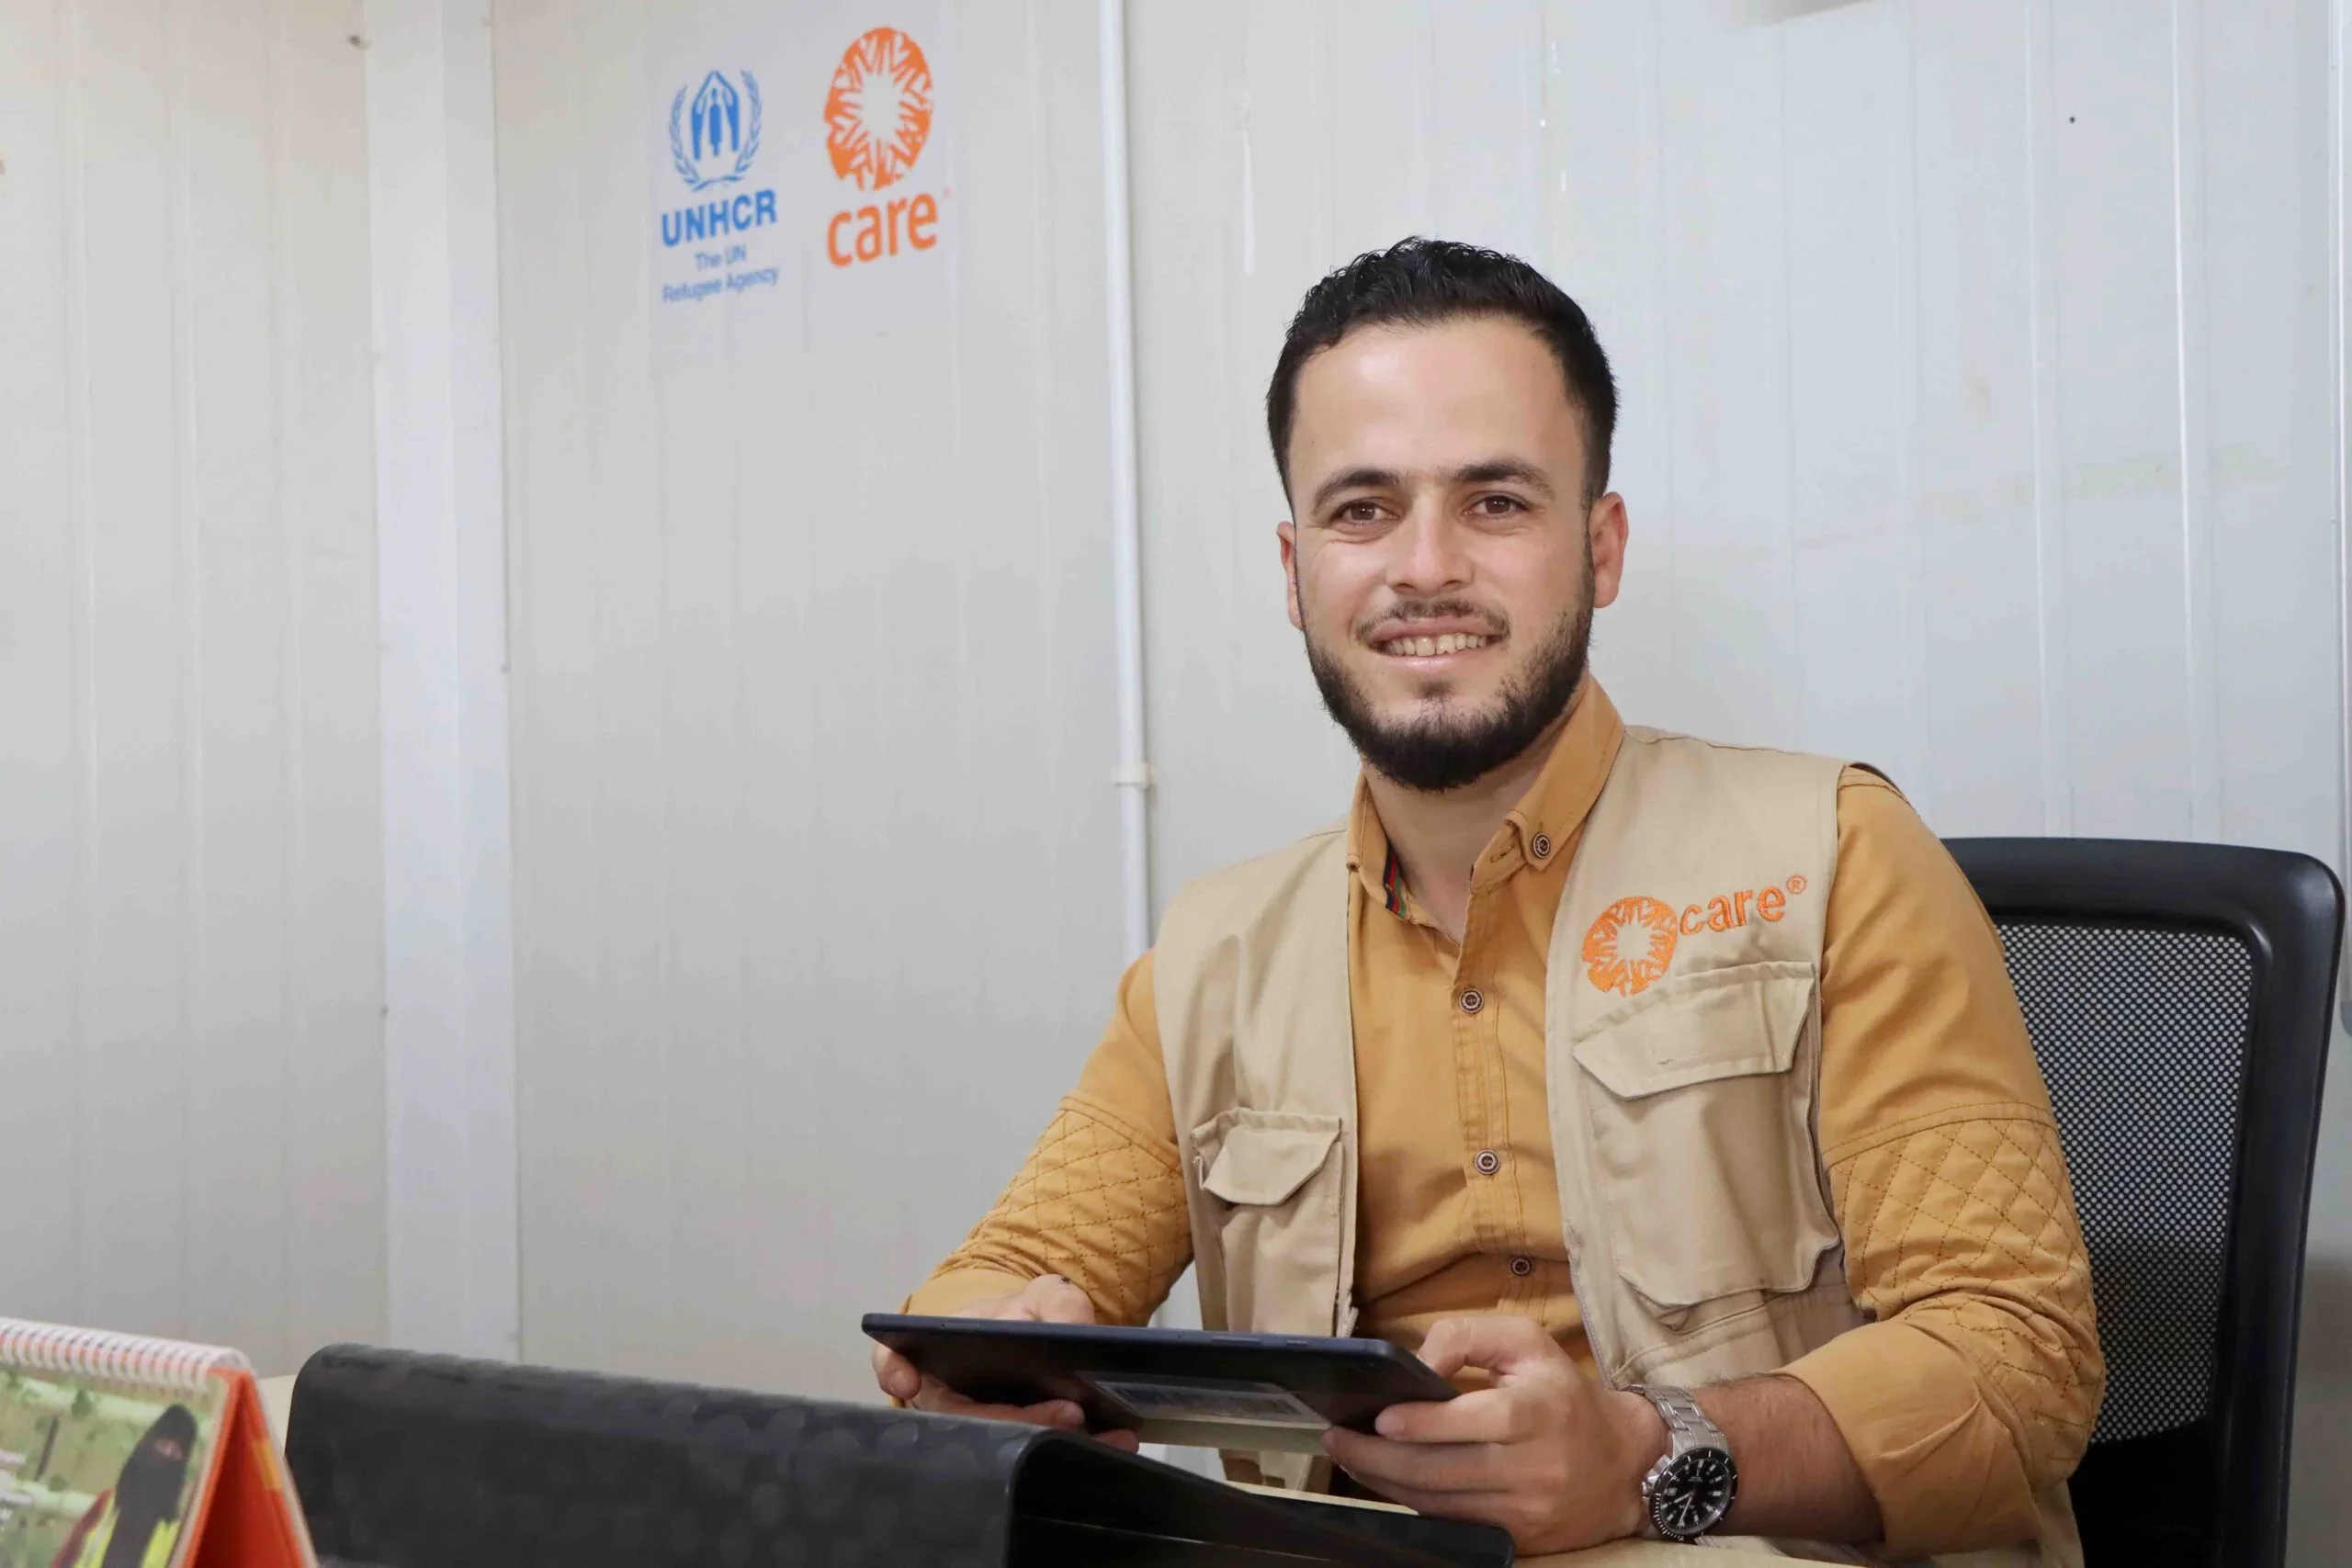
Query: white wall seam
{"type": "Point", "coordinates": [185, 503]}
{"type": "Point", "coordinates": [1134, 778]}
{"type": "Point", "coordinates": [2321, 1530]}
{"type": "Point", "coordinates": [72, 164]}
{"type": "Point", "coordinates": [2339, 168]}
{"type": "Point", "coordinates": [451, 1214]}
{"type": "Point", "coordinates": [2190, 321]}
{"type": "Point", "coordinates": [1248, 198]}
{"type": "Point", "coordinates": [289, 680]}
{"type": "Point", "coordinates": [2048, 499]}
{"type": "Point", "coordinates": [1424, 130]}
{"type": "Point", "coordinates": [1654, 65]}
{"type": "Point", "coordinates": [481, 647]}
{"type": "Point", "coordinates": [1787, 562]}
{"type": "Point", "coordinates": [1904, 218]}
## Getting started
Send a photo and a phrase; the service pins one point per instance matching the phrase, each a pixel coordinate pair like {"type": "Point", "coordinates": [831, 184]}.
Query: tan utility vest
{"type": "Point", "coordinates": [1682, 1030]}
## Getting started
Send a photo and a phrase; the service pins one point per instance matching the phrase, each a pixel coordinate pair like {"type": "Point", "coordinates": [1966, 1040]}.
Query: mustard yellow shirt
{"type": "Point", "coordinates": [1981, 1378]}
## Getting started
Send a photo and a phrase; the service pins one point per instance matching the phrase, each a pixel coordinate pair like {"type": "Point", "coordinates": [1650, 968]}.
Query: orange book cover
{"type": "Point", "coordinates": [119, 1452]}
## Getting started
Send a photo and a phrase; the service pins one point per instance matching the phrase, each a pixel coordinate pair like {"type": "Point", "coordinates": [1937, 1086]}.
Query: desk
{"type": "Point", "coordinates": [276, 1399]}
{"type": "Point", "coordinates": [1617, 1554]}
{"type": "Point", "coordinates": [277, 1396]}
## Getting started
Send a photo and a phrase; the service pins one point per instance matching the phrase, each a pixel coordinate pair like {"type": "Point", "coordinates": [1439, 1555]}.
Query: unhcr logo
{"type": "Point", "coordinates": [714, 138]}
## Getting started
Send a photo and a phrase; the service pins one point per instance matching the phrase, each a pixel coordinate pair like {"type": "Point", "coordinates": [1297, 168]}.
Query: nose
{"type": "Point", "coordinates": [1429, 556]}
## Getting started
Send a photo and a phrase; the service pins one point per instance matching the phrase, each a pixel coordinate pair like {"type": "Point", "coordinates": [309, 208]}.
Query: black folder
{"type": "Point", "coordinates": [405, 1460]}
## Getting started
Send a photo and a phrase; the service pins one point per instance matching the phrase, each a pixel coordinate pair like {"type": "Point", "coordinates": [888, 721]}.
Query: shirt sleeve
{"type": "Point", "coordinates": [1101, 1199]}
{"type": "Point", "coordinates": [1978, 1385]}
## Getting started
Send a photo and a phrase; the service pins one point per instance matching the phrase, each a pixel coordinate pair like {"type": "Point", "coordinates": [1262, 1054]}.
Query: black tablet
{"type": "Point", "coordinates": [1169, 1385]}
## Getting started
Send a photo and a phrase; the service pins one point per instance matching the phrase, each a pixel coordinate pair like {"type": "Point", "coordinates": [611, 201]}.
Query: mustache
{"type": "Point", "coordinates": [1406, 611]}
{"type": "Point", "coordinates": [1445, 750]}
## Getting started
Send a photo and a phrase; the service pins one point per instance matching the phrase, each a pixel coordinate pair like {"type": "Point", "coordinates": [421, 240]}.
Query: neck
{"type": "Point", "coordinates": [1439, 837]}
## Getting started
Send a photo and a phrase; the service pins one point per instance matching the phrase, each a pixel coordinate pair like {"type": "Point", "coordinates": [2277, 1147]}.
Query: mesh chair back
{"type": "Point", "coordinates": [2179, 996]}
{"type": "Point", "coordinates": [2141, 1034]}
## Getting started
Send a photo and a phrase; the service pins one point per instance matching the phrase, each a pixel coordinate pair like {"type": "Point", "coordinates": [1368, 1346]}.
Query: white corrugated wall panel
{"type": "Point", "coordinates": [815, 838]}
{"type": "Point", "coordinates": [1989, 336]}
{"type": "Point", "coordinates": [190, 872]}
{"type": "Point", "coordinates": [1976, 369]}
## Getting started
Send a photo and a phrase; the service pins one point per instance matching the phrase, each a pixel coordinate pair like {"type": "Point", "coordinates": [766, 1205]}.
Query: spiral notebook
{"type": "Point", "coordinates": [117, 1451]}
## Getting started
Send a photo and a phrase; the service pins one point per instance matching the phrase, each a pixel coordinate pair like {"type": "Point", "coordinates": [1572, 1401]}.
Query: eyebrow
{"type": "Point", "coordinates": [1504, 471]}
{"type": "Point", "coordinates": [1494, 470]}
{"type": "Point", "coordinates": [1354, 479]}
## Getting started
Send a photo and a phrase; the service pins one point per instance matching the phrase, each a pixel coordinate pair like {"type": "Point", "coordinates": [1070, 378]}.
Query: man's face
{"type": "Point", "coordinates": [1442, 564]}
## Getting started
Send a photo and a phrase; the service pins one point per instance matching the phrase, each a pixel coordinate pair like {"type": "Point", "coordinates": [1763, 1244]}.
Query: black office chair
{"type": "Point", "coordinates": [2179, 997]}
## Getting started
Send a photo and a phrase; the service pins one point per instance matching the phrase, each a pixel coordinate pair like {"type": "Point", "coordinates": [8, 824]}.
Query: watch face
{"type": "Point", "coordinates": [1694, 1493]}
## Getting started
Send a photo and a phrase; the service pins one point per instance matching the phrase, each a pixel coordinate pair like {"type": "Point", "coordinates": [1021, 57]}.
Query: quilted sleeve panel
{"type": "Point", "coordinates": [1961, 1228]}
{"type": "Point", "coordinates": [1980, 1381]}
{"type": "Point", "coordinates": [1099, 1201]}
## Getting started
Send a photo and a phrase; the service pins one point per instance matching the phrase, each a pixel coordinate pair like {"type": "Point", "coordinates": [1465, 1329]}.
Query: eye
{"type": "Point", "coordinates": [1498, 505]}
{"type": "Point", "coordinates": [1358, 512]}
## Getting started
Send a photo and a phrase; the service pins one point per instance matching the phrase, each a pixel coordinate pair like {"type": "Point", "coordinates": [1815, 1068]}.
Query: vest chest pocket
{"type": "Point", "coordinates": [1278, 1180]}
{"type": "Point", "coordinates": [1701, 1122]}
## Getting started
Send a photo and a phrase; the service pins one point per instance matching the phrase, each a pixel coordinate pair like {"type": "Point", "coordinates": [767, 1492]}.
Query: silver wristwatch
{"type": "Point", "coordinates": [1690, 1490]}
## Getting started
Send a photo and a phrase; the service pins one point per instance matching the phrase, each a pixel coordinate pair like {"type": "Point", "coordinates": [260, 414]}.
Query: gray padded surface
{"type": "Point", "coordinates": [407, 1461]}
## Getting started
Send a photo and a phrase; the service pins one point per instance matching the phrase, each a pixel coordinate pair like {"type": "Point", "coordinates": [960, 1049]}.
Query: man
{"type": "Point", "coordinates": [134, 1523]}
{"type": "Point", "coordinates": [1582, 1060]}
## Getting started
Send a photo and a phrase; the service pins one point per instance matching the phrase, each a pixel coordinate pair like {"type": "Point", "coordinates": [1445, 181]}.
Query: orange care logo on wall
{"type": "Point", "coordinates": [878, 120]}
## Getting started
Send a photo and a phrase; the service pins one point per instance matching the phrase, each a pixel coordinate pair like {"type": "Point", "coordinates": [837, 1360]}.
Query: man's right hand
{"type": "Point", "coordinates": [1050, 1299]}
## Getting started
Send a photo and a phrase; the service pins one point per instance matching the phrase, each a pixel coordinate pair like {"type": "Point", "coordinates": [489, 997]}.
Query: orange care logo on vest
{"type": "Point", "coordinates": [877, 118]}
{"type": "Point", "coordinates": [1628, 948]}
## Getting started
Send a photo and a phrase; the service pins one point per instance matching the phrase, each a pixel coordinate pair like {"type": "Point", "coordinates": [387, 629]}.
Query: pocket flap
{"type": "Point", "coordinates": [1262, 1156]}
{"type": "Point", "coordinates": [1720, 1024]}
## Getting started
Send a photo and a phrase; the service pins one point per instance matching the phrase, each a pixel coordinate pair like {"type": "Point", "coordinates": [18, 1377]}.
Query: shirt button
{"type": "Point", "coordinates": [1489, 1162]}
{"type": "Point", "coordinates": [1522, 1268]}
{"type": "Point", "coordinates": [1542, 846]}
{"type": "Point", "coordinates": [1472, 1002]}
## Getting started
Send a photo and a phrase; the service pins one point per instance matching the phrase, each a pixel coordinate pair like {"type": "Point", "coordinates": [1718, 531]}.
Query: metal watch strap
{"type": "Point", "coordinates": [1687, 1426]}
{"type": "Point", "coordinates": [1688, 1430]}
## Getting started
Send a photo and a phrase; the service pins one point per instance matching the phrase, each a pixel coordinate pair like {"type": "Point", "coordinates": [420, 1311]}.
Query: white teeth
{"type": "Point", "coordinates": [1429, 647]}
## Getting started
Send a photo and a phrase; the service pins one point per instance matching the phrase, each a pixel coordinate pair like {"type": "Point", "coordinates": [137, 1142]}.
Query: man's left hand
{"type": "Point", "coordinates": [1548, 1453]}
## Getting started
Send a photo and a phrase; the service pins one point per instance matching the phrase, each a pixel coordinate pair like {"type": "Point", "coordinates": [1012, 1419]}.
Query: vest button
{"type": "Point", "coordinates": [1522, 1268]}
{"type": "Point", "coordinates": [1489, 1162]}
{"type": "Point", "coordinates": [1472, 1002]}
{"type": "Point", "coordinates": [1542, 846]}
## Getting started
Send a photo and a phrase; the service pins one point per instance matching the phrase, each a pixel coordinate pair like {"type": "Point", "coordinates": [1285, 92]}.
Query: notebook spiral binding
{"type": "Point", "coordinates": [132, 1360]}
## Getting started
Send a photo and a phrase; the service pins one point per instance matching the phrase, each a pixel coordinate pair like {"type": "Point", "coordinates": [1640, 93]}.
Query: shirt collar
{"type": "Point", "coordinates": [1538, 830]}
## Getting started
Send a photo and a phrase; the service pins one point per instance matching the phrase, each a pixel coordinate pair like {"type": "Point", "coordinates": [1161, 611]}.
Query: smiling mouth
{"type": "Point", "coordinates": [1408, 646]}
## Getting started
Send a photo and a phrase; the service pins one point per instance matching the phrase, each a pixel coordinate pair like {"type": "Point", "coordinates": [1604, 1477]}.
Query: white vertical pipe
{"type": "Point", "coordinates": [451, 1242]}
{"type": "Point", "coordinates": [1126, 536]}
{"type": "Point", "coordinates": [2190, 312]}
{"type": "Point", "coordinates": [1126, 545]}
{"type": "Point", "coordinates": [2339, 310]}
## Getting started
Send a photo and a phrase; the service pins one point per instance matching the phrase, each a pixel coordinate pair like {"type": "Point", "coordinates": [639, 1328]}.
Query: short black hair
{"type": "Point", "coordinates": [1420, 282]}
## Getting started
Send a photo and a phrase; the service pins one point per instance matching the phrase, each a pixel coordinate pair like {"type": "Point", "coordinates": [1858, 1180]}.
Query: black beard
{"type": "Point", "coordinates": [1443, 751]}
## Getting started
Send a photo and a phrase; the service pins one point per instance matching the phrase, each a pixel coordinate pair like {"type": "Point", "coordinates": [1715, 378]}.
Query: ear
{"type": "Point", "coordinates": [1287, 532]}
{"type": "Point", "coordinates": [1605, 528]}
